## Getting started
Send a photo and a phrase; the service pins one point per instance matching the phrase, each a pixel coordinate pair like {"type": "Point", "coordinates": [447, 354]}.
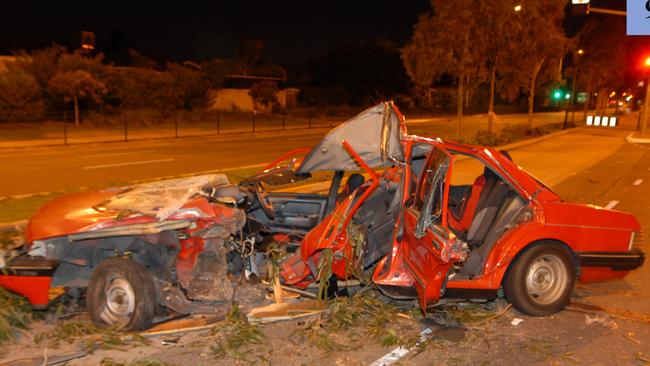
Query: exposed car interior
{"type": "Point", "coordinates": [479, 213]}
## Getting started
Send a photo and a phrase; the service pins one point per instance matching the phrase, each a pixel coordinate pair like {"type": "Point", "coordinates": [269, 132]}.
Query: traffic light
{"type": "Point", "coordinates": [557, 94]}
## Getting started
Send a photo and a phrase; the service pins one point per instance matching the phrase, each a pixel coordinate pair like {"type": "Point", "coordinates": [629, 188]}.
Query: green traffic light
{"type": "Point", "coordinates": [557, 94]}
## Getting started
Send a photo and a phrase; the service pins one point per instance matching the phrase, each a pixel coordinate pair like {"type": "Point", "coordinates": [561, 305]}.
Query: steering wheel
{"type": "Point", "coordinates": [264, 201]}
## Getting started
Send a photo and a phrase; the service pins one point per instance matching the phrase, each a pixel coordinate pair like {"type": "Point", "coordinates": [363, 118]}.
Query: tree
{"type": "Point", "coordinates": [20, 96]}
{"type": "Point", "coordinates": [215, 71]}
{"type": "Point", "coordinates": [444, 43]}
{"type": "Point", "coordinates": [187, 89]}
{"type": "Point", "coordinates": [602, 65]}
{"type": "Point", "coordinates": [497, 35]}
{"type": "Point", "coordinates": [41, 64]}
{"type": "Point", "coordinates": [264, 93]}
{"type": "Point", "coordinates": [76, 85]}
{"type": "Point", "coordinates": [538, 43]}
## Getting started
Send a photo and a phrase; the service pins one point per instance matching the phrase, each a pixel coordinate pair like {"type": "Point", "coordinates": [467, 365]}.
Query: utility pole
{"type": "Point", "coordinates": [645, 105]}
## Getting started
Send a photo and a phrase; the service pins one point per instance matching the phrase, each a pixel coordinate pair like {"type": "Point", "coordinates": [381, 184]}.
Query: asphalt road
{"type": "Point", "coordinates": [71, 167]}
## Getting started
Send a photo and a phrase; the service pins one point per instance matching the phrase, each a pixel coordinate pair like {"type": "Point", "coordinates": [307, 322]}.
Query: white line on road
{"type": "Point", "coordinates": [637, 182]}
{"type": "Point", "coordinates": [128, 163]}
{"type": "Point", "coordinates": [611, 204]}
{"type": "Point", "coordinates": [118, 153]}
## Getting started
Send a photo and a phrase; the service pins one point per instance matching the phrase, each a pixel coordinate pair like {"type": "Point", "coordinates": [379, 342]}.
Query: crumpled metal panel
{"type": "Point", "coordinates": [367, 134]}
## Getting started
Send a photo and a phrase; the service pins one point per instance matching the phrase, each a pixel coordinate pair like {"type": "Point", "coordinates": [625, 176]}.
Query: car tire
{"type": "Point", "coordinates": [540, 280]}
{"type": "Point", "coordinates": [121, 294]}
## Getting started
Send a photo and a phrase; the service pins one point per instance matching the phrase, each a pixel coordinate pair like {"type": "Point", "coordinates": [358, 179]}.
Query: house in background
{"type": "Point", "coordinates": [234, 93]}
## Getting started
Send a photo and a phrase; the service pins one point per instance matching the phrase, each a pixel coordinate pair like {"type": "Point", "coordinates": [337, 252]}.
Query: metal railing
{"type": "Point", "coordinates": [133, 126]}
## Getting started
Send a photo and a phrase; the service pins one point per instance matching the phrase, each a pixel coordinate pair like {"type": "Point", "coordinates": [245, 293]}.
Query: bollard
{"type": "Point", "coordinates": [65, 133]}
{"type": "Point", "coordinates": [253, 121]}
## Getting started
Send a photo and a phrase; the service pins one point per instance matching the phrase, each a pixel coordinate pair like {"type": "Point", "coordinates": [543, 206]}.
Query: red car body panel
{"type": "Point", "coordinates": [415, 263]}
{"type": "Point", "coordinates": [35, 288]}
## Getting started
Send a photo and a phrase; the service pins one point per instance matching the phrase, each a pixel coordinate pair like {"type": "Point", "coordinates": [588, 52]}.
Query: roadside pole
{"type": "Point", "coordinates": [645, 107]}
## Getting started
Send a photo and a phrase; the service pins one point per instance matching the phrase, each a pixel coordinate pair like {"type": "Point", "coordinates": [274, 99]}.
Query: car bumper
{"type": "Point", "coordinates": [30, 277]}
{"type": "Point", "coordinates": [617, 261]}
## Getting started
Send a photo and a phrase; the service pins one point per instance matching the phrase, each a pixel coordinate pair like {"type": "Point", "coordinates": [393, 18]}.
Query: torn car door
{"type": "Point", "coordinates": [427, 241]}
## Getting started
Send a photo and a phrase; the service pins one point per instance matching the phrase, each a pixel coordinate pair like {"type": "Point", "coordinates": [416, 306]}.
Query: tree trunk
{"type": "Point", "coordinates": [460, 104]}
{"type": "Point", "coordinates": [75, 100]}
{"type": "Point", "coordinates": [467, 90]}
{"type": "Point", "coordinates": [491, 101]}
{"type": "Point", "coordinates": [531, 91]}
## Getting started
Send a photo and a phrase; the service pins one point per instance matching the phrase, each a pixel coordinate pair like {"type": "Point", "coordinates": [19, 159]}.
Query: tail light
{"type": "Point", "coordinates": [636, 240]}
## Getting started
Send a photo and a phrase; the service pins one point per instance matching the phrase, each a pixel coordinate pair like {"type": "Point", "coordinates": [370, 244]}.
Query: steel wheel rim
{"type": "Point", "coordinates": [119, 302]}
{"type": "Point", "coordinates": [546, 279]}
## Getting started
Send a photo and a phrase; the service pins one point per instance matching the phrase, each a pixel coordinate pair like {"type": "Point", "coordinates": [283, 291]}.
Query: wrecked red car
{"type": "Point", "coordinates": [421, 218]}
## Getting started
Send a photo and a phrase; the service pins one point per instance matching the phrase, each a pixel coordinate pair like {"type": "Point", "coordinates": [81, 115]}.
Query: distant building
{"type": "Point", "coordinates": [234, 94]}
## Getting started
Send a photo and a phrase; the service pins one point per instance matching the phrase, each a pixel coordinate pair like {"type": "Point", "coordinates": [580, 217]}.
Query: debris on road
{"type": "Point", "coordinates": [285, 311]}
{"type": "Point", "coordinates": [516, 321]}
{"type": "Point", "coordinates": [234, 336]}
{"type": "Point", "coordinates": [601, 319]}
{"type": "Point", "coordinates": [15, 315]}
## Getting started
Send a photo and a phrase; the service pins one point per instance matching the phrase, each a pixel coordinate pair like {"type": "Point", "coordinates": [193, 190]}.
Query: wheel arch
{"type": "Point", "coordinates": [537, 242]}
{"type": "Point", "coordinates": [82, 257]}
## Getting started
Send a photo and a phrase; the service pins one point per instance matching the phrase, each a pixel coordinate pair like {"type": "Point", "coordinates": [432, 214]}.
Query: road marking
{"type": "Point", "coordinates": [611, 204]}
{"type": "Point", "coordinates": [637, 182]}
{"type": "Point", "coordinates": [118, 154]}
{"type": "Point", "coordinates": [399, 352]}
{"type": "Point", "coordinates": [127, 164]}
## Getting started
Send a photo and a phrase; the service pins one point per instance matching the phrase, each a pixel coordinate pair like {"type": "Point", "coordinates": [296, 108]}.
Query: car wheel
{"type": "Point", "coordinates": [540, 280]}
{"type": "Point", "coordinates": [121, 294]}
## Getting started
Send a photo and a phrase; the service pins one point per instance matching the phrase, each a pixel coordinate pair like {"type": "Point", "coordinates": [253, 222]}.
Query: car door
{"type": "Point", "coordinates": [426, 240]}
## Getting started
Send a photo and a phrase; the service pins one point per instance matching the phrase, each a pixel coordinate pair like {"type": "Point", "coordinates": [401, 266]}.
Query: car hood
{"type": "Point", "coordinates": [375, 134]}
{"type": "Point", "coordinates": [94, 210]}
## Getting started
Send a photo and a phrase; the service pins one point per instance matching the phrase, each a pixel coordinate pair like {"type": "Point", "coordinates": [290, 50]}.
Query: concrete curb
{"type": "Point", "coordinates": [636, 140]}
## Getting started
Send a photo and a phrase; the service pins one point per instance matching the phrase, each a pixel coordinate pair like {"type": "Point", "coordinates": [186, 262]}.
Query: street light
{"type": "Point", "coordinates": [518, 7]}
{"type": "Point", "coordinates": [581, 51]}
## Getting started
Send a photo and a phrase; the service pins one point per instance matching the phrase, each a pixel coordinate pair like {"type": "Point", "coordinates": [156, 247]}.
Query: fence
{"type": "Point", "coordinates": [136, 126]}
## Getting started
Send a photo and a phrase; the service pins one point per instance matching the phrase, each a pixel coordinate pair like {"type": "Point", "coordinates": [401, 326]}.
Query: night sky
{"type": "Point", "coordinates": [292, 30]}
